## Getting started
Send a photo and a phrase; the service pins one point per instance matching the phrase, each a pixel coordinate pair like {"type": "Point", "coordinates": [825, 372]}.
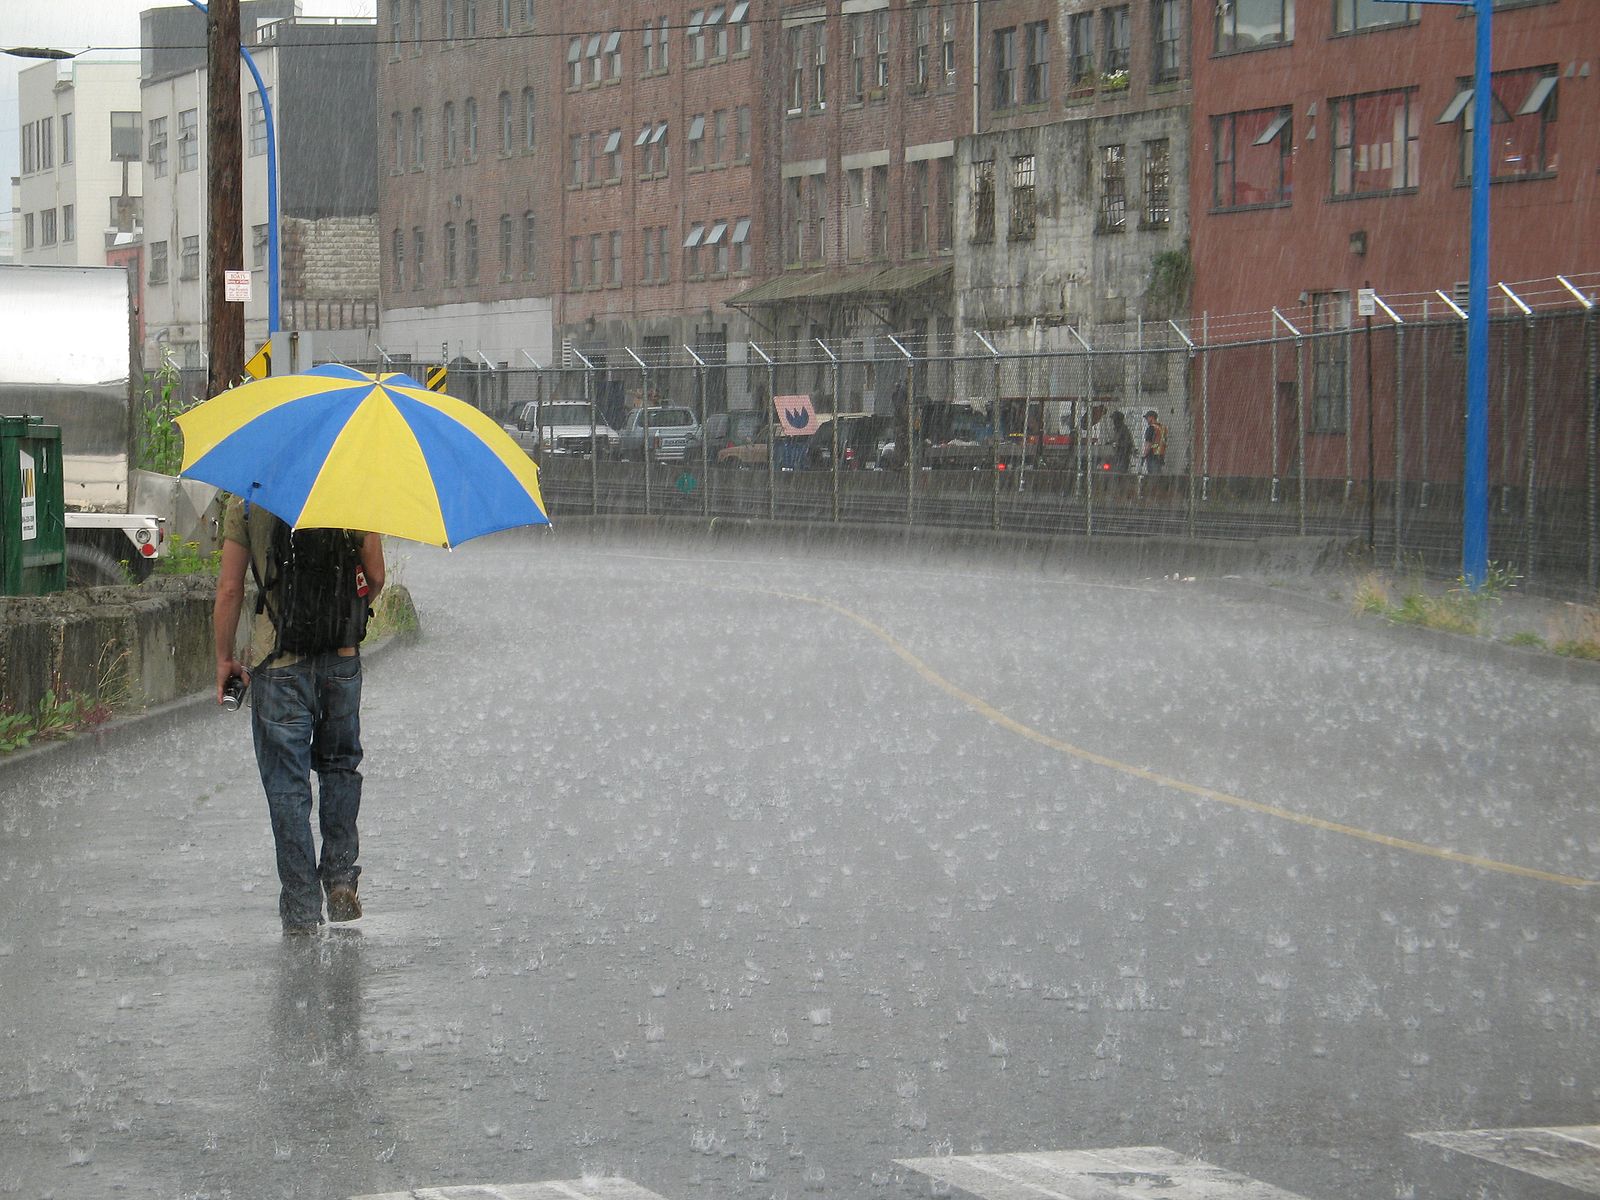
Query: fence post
{"type": "Point", "coordinates": [1272, 404]}
{"type": "Point", "coordinates": [1300, 403]}
{"type": "Point", "coordinates": [1193, 474]}
{"type": "Point", "coordinates": [1399, 438]}
{"type": "Point", "coordinates": [1592, 430]}
{"type": "Point", "coordinates": [833, 423]}
{"type": "Point", "coordinates": [911, 375]}
{"type": "Point", "coordinates": [705, 447]}
{"type": "Point", "coordinates": [772, 409]}
{"type": "Point", "coordinates": [1205, 405]}
{"type": "Point", "coordinates": [1529, 460]}
{"type": "Point", "coordinates": [994, 436]}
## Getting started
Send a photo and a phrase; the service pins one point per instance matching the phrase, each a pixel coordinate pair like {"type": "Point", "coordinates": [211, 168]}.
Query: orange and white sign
{"type": "Point", "coordinates": [30, 500]}
{"type": "Point", "coordinates": [796, 415]}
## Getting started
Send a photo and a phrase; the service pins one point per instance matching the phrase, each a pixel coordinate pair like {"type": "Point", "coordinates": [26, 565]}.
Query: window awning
{"type": "Point", "coordinates": [716, 233]}
{"type": "Point", "coordinates": [693, 240]}
{"type": "Point", "coordinates": [613, 40]}
{"type": "Point", "coordinates": [1460, 107]}
{"type": "Point", "coordinates": [714, 16]}
{"type": "Point", "coordinates": [575, 50]}
{"type": "Point", "coordinates": [738, 12]}
{"type": "Point", "coordinates": [594, 46]}
{"type": "Point", "coordinates": [661, 132]}
{"type": "Point", "coordinates": [697, 128]}
{"type": "Point", "coordinates": [741, 231]}
{"type": "Point", "coordinates": [1454, 109]}
{"type": "Point", "coordinates": [696, 21]}
{"type": "Point", "coordinates": [887, 283]}
{"type": "Point", "coordinates": [1273, 130]}
{"type": "Point", "coordinates": [613, 141]}
{"type": "Point", "coordinates": [1537, 98]}
{"type": "Point", "coordinates": [644, 136]}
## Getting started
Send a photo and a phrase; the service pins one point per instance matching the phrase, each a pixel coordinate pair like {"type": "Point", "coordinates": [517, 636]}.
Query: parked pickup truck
{"type": "Point", "coordinates": [561, 427]}
{"type": "Point", "coordinates": [674, 434]}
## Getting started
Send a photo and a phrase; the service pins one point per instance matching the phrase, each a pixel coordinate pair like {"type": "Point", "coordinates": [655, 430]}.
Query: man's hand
{"type": "Point", "coordinates": [226, 670]}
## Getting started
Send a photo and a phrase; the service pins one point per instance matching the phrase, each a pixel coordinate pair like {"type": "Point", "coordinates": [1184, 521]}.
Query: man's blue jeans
{"type": "Point", "coordinates": [307, 717]}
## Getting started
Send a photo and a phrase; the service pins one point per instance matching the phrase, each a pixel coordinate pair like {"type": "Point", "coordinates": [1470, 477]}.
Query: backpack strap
{"type": "Point", "coordinates": [261, 592]}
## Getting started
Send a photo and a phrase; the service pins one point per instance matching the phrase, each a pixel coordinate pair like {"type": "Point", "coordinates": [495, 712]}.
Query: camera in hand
{"type": "Point", "coordinates": [233, 692]}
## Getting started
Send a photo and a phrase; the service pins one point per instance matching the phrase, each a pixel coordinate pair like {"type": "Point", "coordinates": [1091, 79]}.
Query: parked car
{"type": "Point", "coordinates": [862, 438]}
{"type": "Point", "coordinates": [674, 434]}
{"type": "Point", "coordinates": [561, 427]}
{"type": "Point", "coordinates": [740, 435]}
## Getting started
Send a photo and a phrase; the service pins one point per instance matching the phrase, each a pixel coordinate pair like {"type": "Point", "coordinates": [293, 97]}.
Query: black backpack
{"type": "Point", "coordinates": [310, 590]}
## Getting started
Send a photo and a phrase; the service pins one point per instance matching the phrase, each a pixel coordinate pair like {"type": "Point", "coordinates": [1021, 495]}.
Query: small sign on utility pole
{"type": "Point", "coordinates": [1367, 302]}
{"type": "Point", "coordinates": [236, 286]}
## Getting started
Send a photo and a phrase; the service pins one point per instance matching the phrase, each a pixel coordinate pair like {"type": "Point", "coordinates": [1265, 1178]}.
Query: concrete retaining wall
{"type": "Point", "coordinates": [125, 645]}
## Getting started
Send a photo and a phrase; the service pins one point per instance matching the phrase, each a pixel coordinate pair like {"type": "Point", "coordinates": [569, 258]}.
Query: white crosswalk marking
{"type": "Point", "coordinates": [1568, 1154]}
{"type": "Point", "coordinates": [1132, 1172]}
{"type": "Point", "coordinates": [608, 1188]}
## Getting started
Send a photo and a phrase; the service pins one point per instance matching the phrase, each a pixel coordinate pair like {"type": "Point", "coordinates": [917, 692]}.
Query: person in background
{"type": "Point", "coordinates": [1155, 443]}
{"type": "Point", "coordinates": [1121, 443]}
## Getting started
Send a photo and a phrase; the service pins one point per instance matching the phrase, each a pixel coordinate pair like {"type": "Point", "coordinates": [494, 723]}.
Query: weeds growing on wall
{"type": "Point", "coordinates": [159, 442]}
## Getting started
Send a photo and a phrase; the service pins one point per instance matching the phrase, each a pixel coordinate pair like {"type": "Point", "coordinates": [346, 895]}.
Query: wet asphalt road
{"type": "Point", "coordinates": [743, 874]}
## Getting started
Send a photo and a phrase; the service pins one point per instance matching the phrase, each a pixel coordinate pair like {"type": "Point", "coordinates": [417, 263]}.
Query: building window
{"type": "Point", "coordinates": [417, 137]}
{"type": "Point", "coordinates": [47, 142]}
{"type": "Point", "coordinates": [739, 27]}
{"type": "Point", "coordinates": [647, 48]}
{"type": "Point", "coordinates": [472, 129]}
{"type": "Point", "coordinates": [397, 132]}
{"type": "Point", "coordinates": [69, 223]}
{"type": "Point", "coordinates": [450, 249]}
{"type": "Point", "coordinates": [505, 14]}
{"type": "Point", "coordinates": [597, 152]}
{"type": "Point", "coordinates": [507, 124]}
{"type": "Point", "coordinates": [858, 57]}
{"type": "Point", "coordinates": [797, 71]}
{"type": "Point", "coordinates": [1113, 189]}
{"type": "Point", "coordinates": [691, 252]}
{"type": "Point", "coordinates": [944, 204]}
{"type": "Point", "coordinates": [574, 263]}
{"type": "Point", "coordinates": [396, 29]}
{"type": "Point", "coordinates": [447, 128]}
{"type": "Point", "coordinates": [878, 207]}
{"type": "Point", "coordinates": [66, 138]}
{"type": "Point", "coordinates": [419, 246]}
{"type": "Point", "coordinates": [616, 258]}
{"type": "Point", "coordinates": [47, 227]}
{"type": "Point", "coordinates": [717, 32]}
{"type": "Point", "coordinates": [694, 39]}
{"type": "Point", "coordinates": [983, 201]}
{"type": "Point", "coordinates": [1036, 74]}
{"type": "Point", "coordinates": [917, 207]}
{"type": "Point", "coordinates": [126, 129]}
{"type": "Point", "coordinates": [819, 67]}
{"type": "Point", "coordinates": [613, 154]}
{"type": "Point", "coordinates": [472, 251]}
{"type": "Point", "coordinates": [1330, 362]}
{"type": "Point", "coordinates": [527, 121]}
{"type": "Point", "coordinates": [1522, 137]}
{"type": "Point", "coordinates": [158, 147]}
{"type": "Point", "coordinates": [397, 257]}
{"type": "Point", "coordinates": [258, 123]}
{"type": "Point", "coordinates": [529, 246]}
{"type": "Point", "coordinates": [1157, 184]}
{"type": "Point", "coordinates": [575, 63]}
{"type": "Point", "coordinates": [855, 214]}
{"type": "Point", "coordinates": [469, 18]}
{"type": "Point", "coordinates": [416, 26]}
{"type": "Point", "coordinates": [741, 134]}
{"type": "Point", "coordinates": [880, 74]}
{"type": "Point", "coordinates": [921, 47]}
{"type": "Point", "coordinates": [663, 263]}
{"type": "Point", "coordinates": [614, 53]}
{"type": "Point", "coordinates": [649, 255]}
{"type": "Point", "coordinates": [1005, 67]}
{"type": "Point", "coordinates": [188, 140]}
{"type": "Point", "coordinates": [663, 46]}
{"type": "Point", "coordinates": [1118, 47]}
{"type": "Point", "coordinates": [1166, 64]}
{"type": "Point", "coordinates": [1375, 143]}
{"type": "Point", "coordinates": [719, 135]}
{"type": "Point", "coordinates": [258, 247]}
{"type": "Point", "coordinates": [1023, 218]}
{"type": "Point", "coordinates": [740, 239]}
{"type": "Point", "coordinates": [716, 244]}
{"type": "Point", "coordinates": [947, 42]}
{"type": "Point", "coordinates": [696, 141]}
{"type": "Point", "coordinates": [817, 219]}
{"type": "Point", "coordinates": [595, 251]}
{"type": "Point", "coordinates": [189, 268]}
{"type": "Point", "coordinates": [575, 160]}
{"type": "Point", "coordinates": [1251, 155]}
{"type": "Point", "coordinates": [1246, 24]}
{"type": "Point", "coordinates": [794, 220]}
{"type": "Point", "coordinates": [507, 245]}
{"type": "Point", "coordinates": [158, 254]}
{"type": "Point", "coordinates": [1351, 15]}
{"type": "Point", "coordinates": [1080, 48]}
{"type": "Point", "coordinates": [447, 20]}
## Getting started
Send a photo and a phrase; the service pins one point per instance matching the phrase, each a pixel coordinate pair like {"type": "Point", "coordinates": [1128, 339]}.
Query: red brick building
{"type": "Point", "coordinates": [1331, 151]}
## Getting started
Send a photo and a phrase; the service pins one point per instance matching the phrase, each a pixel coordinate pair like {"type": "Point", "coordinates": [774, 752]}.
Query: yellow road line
{"type": "Point", "coordinates": [984, 708]}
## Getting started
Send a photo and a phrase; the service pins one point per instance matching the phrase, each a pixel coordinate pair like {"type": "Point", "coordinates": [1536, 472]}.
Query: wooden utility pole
{"type": "Point", "coordinates": [225, 162]}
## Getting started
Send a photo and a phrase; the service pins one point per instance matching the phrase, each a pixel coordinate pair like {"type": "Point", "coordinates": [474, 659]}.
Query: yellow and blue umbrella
{"type": "Point", "coordinates": [337, 448]}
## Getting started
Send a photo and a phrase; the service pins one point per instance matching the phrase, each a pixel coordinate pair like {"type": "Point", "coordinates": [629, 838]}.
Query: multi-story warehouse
{"type": "Point", "coordinates": [327, 178]}
{"type": "Point", "coordinates": [80, 182]}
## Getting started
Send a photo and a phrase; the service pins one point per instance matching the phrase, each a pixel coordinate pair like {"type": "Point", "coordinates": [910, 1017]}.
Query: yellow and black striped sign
{"type": "Point", "coordinates": [435, 378]}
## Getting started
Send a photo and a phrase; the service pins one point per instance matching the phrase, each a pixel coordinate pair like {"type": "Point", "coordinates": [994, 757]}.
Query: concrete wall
{"type": "Point", "coordinates": [125, 645]}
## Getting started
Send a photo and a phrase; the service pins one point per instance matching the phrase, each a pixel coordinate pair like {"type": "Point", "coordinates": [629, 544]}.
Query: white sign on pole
{"type": "Point", "coordinates": [30, 500]}
{"type": "Point", "coordinates": [236, 286]}
{"type": "Point", "coordinates": [1366, 302]}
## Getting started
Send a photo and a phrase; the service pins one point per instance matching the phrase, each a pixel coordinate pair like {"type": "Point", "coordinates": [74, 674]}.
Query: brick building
{"type": "Point", "coordinates": [1331, 151]}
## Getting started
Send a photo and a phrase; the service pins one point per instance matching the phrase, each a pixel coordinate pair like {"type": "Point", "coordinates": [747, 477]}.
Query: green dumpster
{"type": "Point", "coordinates": [33, 533]}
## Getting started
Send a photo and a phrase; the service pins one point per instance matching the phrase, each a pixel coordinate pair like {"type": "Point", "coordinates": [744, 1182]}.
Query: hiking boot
{"type": "Point", "coordinates": [342, 903]}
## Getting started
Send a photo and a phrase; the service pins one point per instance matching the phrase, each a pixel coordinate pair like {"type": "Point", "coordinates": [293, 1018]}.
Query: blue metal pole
{"type": "Point", "coordinates": [1475, 468]}
{"type": "Point", "coordinates": [272, 187]}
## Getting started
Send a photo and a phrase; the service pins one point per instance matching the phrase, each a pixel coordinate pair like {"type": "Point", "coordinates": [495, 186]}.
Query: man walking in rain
{"type": "Point", "coordinates": [305, 705]}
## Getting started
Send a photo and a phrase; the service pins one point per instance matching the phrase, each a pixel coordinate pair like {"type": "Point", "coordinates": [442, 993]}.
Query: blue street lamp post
{"type": "Point", "coordinates": [1475, 467]}
{"type": "Point", "coordinates": [272, 185]}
